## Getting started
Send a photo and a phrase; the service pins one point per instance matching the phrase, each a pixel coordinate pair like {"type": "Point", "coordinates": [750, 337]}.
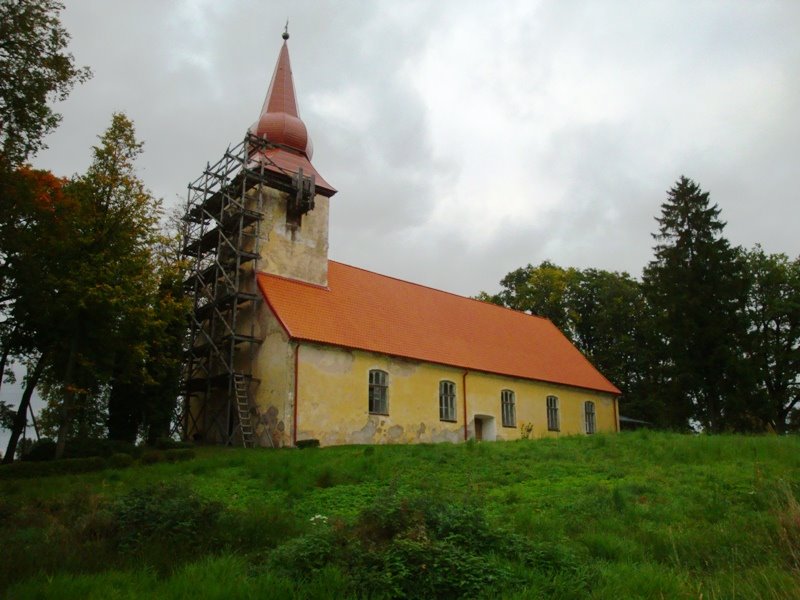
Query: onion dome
{"type": "Point", "coordinates": [280, 121]}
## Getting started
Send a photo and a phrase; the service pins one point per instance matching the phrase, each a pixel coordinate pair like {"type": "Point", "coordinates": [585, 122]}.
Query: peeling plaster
{"type": "Point", "coordinates": [335, 363]}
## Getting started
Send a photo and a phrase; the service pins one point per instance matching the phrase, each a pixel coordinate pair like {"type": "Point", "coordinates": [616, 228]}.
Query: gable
{"type": "Point", "coordinates": [367, 311]}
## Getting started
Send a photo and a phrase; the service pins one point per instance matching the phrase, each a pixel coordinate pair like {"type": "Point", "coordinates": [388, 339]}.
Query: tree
{"type": "Point", "coordinates": [696, 289]}
{"type": "Point", "coordinates": [84, 283]}
{"type": "Point", "coordinates": [35, 69]}
{"type": "Point", "coordinates": [111, 280]}
{"type": "Point", "coordinates": [32, 235]}
{"type": "Point", "coordinates": [773, 348]}
{"type": "Point", "coordinates": [540, 290]}
{"type": "Point", "coordinates": [612, 327]}
{"type": "Point", "coordinates": [603, 313]}
{"type": "Point", "coordinates": [143, 397]}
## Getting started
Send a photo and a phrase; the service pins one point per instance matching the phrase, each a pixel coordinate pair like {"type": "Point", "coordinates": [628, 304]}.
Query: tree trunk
{"type": "Point", "coordinates": [22, 412]}
{"type": "Point", "coordinates": [69, 393]}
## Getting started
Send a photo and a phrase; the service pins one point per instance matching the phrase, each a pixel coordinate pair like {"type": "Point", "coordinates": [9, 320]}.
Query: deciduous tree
{"type": "Point", "coordinates": [773, 349]}
{"type": "Point", "coordinates": [35, 70]}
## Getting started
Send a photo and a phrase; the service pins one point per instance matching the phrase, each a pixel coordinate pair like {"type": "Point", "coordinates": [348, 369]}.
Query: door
{"type": "Point", "coordinates": [478, 429]}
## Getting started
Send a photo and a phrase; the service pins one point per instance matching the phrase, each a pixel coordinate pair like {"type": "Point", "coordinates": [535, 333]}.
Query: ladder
{"type": "Point", "coordinates": [243, 409]}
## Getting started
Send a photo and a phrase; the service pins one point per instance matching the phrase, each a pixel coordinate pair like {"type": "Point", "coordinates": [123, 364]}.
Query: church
{"type": "Point", "coordinates": [288, 345]}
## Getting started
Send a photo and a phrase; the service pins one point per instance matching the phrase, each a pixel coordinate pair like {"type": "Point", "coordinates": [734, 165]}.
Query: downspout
{"type": "Point", "coordinates": [464, 388]}
{"type": "Point", "coordinates": [616, 415]}
{"type": "Point", "coordinates": [294, 404]}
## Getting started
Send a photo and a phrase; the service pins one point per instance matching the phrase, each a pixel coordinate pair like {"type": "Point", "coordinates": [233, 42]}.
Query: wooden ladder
{"type": "Point", "coordinates": [243, 408]}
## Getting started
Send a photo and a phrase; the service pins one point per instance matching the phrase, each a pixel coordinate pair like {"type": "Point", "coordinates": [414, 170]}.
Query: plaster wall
{"type": "Point", "coordinates": [294, 252]}
{"type": "Point", "coordinates": [483, 398]}
{"type": "Point", "coordinates": [272, 392]}
{"type": "Point", "coordinates": [333, 405]}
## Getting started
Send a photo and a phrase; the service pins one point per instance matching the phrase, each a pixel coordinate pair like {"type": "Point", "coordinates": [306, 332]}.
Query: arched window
{"type": "Point", "coordinates": [589, 417]}
{"type": "Point", "coordinates": [508, 407]}
{"type": "Point", "coordinates": [447, 401]}
{"type": "Point", "coordinates": [378, 392]}
{"type": "Point", "coordinates": [553, 423]}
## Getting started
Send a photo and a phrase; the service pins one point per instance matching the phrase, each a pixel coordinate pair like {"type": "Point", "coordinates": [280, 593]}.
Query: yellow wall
{"type": "Point", "coordinates": [300, 253]}
{"type": "Point", "coordinates": [273, 368]}
{"type": "Point", "coordinates": [333, 405]}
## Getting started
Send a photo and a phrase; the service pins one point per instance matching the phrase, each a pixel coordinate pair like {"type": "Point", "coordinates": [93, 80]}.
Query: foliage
{"type": "Point", "coordinates": [165, 514]}
{"type": "Point", "coordinates": [773, 348]}
{"type": "Point", "coordinates": [408, 547]}
{"type": "Point", "coordinates": [7, 415]}
{"type": "Point", "coordinates": [310, 443]}
{"type": "Point", "coordinates": [695, 286]}
{"type": "Point", "coordinates": [50, 468]}
{"type": "Point", "coordinates": [603, 313]}
{"type": "Point", "coordinates": [525, 430]}
{"type": "Point", "coordinates": [91, 284]}
{"type": "Point", "coordinates": [608, 516]}
{"type": "Point", "coordinates": [35, 69]}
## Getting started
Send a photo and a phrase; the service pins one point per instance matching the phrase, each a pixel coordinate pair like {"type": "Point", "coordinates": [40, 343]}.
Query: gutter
{"type": "Point", "coordinates": [294, 408]}
{"type": "Point", "coordinates": [464, 388]}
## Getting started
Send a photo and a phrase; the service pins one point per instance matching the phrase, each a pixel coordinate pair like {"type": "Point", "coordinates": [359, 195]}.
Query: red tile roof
{"type": "Point", "coordinates": [367, 311]}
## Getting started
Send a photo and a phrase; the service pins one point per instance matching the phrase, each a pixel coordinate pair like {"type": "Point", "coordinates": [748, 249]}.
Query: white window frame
{"type": "Point", "coordinates": [589, 417]}
{"type": "Point", "coordinates": [447, 401]}
{"type": "Point", "coordinates": [508, 408]}
{"type": "Point", "coordinates": [378, 392]}
{"type": "Point", "coordinates": [553, 419]}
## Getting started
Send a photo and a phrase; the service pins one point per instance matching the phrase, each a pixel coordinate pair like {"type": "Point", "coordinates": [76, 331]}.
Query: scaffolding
{"type": "Point", "coordinates": [222, 231]}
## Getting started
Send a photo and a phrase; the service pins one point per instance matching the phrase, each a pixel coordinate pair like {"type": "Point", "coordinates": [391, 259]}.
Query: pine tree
{"type": "Point", "coordinates": [697, 293]}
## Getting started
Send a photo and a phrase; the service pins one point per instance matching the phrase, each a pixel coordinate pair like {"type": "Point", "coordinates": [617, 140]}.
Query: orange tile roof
{"type": "Point", "coordinates": [367, 311]}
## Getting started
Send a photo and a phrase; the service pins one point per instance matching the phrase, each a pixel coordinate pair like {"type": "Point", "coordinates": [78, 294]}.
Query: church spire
{"type": "Point", "coordinates": [280, 121]}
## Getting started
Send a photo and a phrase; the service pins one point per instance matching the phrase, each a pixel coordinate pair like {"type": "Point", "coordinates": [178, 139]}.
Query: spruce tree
{"type": "Point", "coordinates": [697, 293]}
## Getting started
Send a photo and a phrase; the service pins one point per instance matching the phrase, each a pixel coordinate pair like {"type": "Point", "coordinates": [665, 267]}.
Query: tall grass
{"type": "Point", "coordinates": [646, 515]}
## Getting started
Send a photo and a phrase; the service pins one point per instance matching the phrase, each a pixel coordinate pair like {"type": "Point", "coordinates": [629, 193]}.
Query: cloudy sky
{"type": "Point", "coordinates": [467, 139]}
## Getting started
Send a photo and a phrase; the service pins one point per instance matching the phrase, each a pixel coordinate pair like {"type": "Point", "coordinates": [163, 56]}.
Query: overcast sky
{"type": "Point", "coordinates": [467, 139]}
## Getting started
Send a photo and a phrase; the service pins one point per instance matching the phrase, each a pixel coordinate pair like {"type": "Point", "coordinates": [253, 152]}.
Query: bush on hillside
{"type": "Point", "coordinates": [419, 547]}
{"type": "Point", "coordinates": [166, 514]}
{"type": "Point", "coordinates": [310, 443]}
{"type": "Point", "coordinates": [45, 449]}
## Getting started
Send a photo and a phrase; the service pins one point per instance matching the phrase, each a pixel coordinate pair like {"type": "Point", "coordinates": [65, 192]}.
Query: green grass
{"type": "Point", "coordinates": [640, 515]}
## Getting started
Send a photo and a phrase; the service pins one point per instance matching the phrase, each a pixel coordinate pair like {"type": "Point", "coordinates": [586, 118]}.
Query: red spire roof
{"type": "Point", "coordinates": [280, 124]}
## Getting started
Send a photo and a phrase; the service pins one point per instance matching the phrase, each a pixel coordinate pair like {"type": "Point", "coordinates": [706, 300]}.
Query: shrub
{"type": "Point", "coordinates": [98, 447]}
{"type": "Point", "coordinates": [167, 443]}
{"type": "Point", "coordinates": [43, 449]}
{"type": "Point", "coordinates": [152, 457]}
{"type": "Point", "coordinates": [120, 461]}
{"type": "Point", "coordinates": [406, 547]}
{"type": "Point", "coordinates": [179, 454]}
{"type": "Point", "coordinates": [310, 443]}
{"type": "Point", "coordinates": [21, 470]}
{"type": "Point", "coordinates": [165, 514]}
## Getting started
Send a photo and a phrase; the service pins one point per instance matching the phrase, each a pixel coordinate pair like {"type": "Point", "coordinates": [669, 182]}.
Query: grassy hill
{"type": "Point", "coordinates": [641, 515]}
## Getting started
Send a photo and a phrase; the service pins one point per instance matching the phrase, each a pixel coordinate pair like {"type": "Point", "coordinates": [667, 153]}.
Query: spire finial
{"type": "Point", "coordinates": [285, 34]}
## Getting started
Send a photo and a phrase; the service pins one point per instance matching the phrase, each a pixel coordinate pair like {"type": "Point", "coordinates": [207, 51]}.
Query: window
{"type": "Point", "coordinates": [508, 408]}
{"type": "Point", "coordinates": [447, 401]}
{"type": "Point", "coordinates": [588, 417]}
{"type": "Point", "coordinates": [552, 414]}
{"type": "Point", "coordinates": [378, 392]}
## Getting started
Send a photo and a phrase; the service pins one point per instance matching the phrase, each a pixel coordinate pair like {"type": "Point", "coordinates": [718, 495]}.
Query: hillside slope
{"type": "Point", "coordinates": [646, 515]}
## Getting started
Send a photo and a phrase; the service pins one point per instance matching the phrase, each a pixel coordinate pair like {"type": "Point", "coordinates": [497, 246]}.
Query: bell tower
{"type": "Point", "coordinates": [294, 228]}
{"type": "Point", "coordinates": [261, 207]}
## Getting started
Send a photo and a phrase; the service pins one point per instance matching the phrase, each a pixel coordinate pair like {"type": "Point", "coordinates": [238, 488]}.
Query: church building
{"type": "Point", "coordinates": [288, 345]}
